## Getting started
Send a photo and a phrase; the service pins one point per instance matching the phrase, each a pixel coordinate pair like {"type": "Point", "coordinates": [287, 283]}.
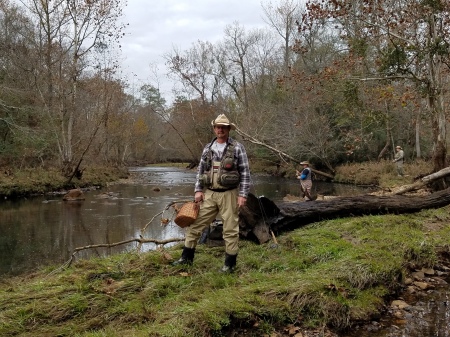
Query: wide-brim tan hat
{"type": "Point", "coordinates": [398, 147]}
{"type": "Point", "coordinates": [304, 162]}
{"type": "Point", "coordinates": [223, 120]}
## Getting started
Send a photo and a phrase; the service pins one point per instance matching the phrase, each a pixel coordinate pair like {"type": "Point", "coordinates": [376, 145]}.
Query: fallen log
{"type": "Point", "coordinates": [253, 218]}
{"type": "Point", "coordinates": [423, 181]}
{"type": "Point", "coordinates": [262, 215]}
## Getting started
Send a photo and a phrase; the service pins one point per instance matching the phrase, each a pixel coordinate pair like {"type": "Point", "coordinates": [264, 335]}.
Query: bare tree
{"type": "Point", "coordinates": [235, 59]}
{"type": "Point", "coordinates": [194, 68]}
{"type": "Point", "coordinates": [69, 31]}
{"type": "Point", "coordinates": [282, 18]}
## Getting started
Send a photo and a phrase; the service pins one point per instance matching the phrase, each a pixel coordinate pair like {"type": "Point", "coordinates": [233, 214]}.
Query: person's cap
{"type": "Point", "coordinates": [398, 147]}
{"type": "Point", "coordinates": [223, 120]}
{"type": "Point", "coordinates": [304, 162]}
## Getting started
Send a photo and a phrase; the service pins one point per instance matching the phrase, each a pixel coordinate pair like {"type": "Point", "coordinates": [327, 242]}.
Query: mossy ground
{"type": "Point", "coordinates": [330, 273]}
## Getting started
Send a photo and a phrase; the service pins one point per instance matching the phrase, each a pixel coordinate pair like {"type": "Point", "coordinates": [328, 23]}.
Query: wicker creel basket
{"type": "Point", "coordinates": [187, 214]}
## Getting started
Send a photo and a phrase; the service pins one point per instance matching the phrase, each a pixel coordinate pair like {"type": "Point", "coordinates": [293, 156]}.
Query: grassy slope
{"type": "Point", "coordinates": [328, 273]}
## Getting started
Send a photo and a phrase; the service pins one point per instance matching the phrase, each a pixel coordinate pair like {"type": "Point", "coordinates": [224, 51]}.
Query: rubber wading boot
{"type": "Point", "coordinates": [187, 257]}
{"type": "Point", "coordinates": [230, 263]}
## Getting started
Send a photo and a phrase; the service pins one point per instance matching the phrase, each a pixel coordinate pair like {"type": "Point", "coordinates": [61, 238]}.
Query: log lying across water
{"type": "Point", "coordinates": [262, 215]}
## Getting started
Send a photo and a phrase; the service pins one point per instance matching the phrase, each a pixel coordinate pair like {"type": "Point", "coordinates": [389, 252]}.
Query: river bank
{"type": "Point", "coordinates": [16, 183]}
{"type": "Point", "coordinates": [320, 280]}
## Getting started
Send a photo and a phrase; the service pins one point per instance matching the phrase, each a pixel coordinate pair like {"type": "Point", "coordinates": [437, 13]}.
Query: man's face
{"type": "Point", "coordinates": [222, 131]}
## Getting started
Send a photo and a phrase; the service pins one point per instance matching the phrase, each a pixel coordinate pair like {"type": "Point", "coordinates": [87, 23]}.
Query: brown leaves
{"type": "Point", "coordinates": [111, 286]}
{"type": "Point", "coordinates": [339, 290]}
{"type": "Point", "coordinates": [164, 254]}
{"type": "Point", "coordinates": [184, 274]}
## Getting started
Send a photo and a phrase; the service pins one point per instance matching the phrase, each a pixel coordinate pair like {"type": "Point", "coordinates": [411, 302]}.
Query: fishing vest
{"type": "Point", "coordinates": [223, 174]}
{"type": "Point", "coordinates": [308, 175]}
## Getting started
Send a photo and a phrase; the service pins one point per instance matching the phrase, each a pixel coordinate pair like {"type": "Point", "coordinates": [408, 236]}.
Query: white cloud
{"type": "Point", "coordinates": [157, 26]}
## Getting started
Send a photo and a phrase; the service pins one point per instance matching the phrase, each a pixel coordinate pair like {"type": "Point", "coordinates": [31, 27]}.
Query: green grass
{"type": "Point", "coordinates": [330, 273]}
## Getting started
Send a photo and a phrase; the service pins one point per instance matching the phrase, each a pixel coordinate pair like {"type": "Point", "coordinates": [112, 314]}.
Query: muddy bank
{"type": "Point", "coordinates": [421, 310]}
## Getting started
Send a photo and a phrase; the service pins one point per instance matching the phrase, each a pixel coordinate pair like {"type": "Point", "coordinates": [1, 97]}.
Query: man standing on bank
{"type": "Point", "coordinates": [305, 180]}
{"type": "Point", "coordinates": [399, 160]}
{"type": "Point", "coordinates": [222, 187]}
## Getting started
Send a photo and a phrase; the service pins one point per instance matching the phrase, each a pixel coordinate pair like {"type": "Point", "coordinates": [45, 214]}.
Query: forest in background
{"type": "Point", "coordinates": [331, 82]}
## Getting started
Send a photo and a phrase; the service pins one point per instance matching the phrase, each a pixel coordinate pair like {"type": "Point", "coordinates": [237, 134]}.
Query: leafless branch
{"type": "Point", "coordinates": [282, 155]}
{"type": "Point", "coordinates": [141, 240]}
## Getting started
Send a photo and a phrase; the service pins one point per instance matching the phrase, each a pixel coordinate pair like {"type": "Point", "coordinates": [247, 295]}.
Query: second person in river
{"type": "Point", "coordinates": [305, 180]}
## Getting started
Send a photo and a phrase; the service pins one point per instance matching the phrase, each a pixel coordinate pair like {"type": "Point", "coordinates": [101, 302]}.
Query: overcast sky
{"type": "Point", "coordinates": [157, 26]}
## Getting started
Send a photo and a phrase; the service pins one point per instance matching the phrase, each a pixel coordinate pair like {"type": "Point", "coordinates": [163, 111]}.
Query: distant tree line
{"type": "Point", "coordinates": [327, 81]}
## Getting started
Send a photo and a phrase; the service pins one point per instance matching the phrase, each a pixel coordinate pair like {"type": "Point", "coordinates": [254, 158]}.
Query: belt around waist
{"type": "Point", "coordinates": [220, 189]}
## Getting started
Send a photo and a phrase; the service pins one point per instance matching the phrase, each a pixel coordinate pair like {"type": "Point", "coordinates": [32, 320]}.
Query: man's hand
{"type": "Point", "coordinates": [199, 197]}
{"type": "Point", "coordinates": [241, 201]}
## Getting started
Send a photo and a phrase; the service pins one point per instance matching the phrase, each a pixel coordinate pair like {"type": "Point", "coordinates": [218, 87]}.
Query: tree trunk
{"type": "Point", "coordinates": [417, 135]}
{"type": "Point", "coordinates": [388, 135]}
{"type": "Point", "coordinates": [262, 215]}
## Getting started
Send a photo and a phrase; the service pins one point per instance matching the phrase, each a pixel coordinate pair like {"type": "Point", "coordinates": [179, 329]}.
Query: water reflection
{"type": "Point", "coordinates": [45, 230]}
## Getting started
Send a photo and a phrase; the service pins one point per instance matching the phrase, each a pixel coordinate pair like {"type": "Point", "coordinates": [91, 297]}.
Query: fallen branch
{"type": "Point", "coordinates": [109, 245]}
{"type": "Point", "coordinates": [141, 240]}
{"type": "Point", "coordinates": [422, 182]}
{"type": "Point", "coordinates": [253, 140]}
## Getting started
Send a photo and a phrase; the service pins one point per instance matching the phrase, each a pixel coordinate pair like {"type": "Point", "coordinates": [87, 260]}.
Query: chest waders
{"type": "Point", "coordinates": [306, 185]}
{"type": "Point", "coordinates": [221, 176]}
